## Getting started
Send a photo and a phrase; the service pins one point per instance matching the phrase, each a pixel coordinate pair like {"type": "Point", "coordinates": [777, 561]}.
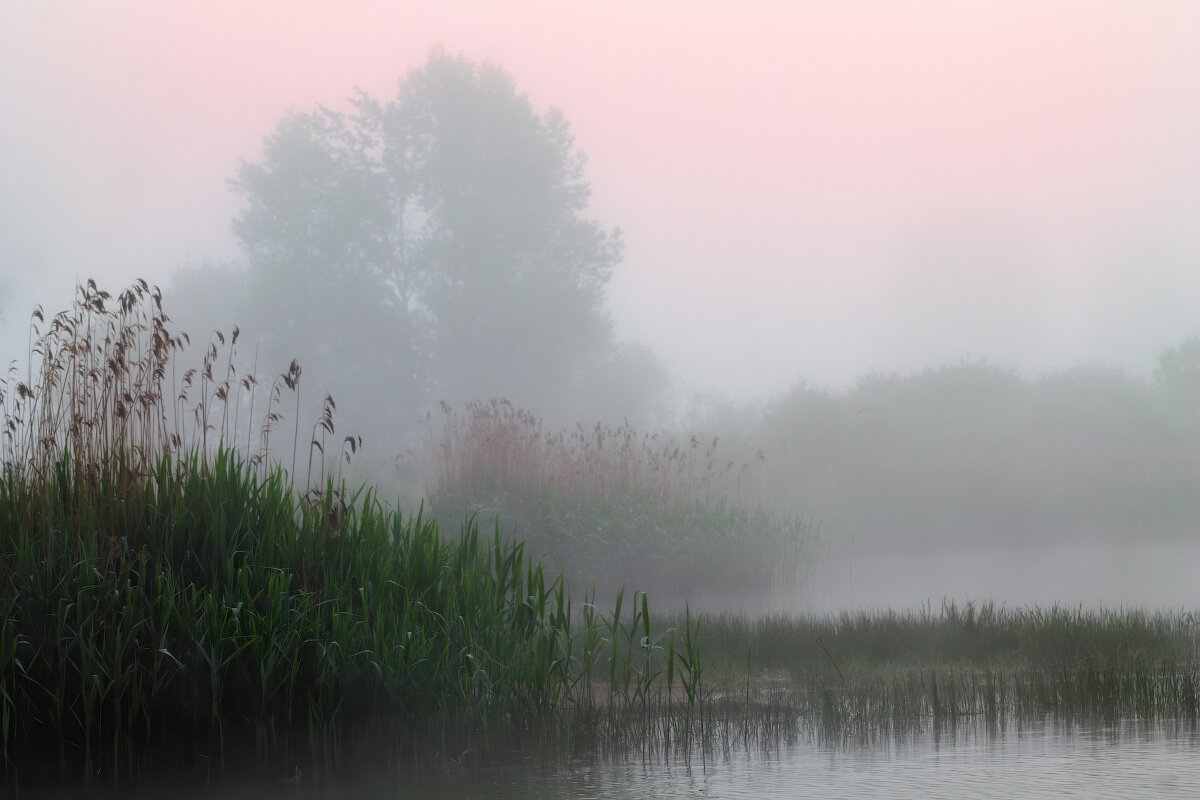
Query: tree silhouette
{"type": "Point", "coordinates": [435, 245]}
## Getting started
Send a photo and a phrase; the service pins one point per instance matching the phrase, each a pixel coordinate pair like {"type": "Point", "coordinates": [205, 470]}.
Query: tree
{"type": "Point", "coordinates": [1179, 368]}
{"type": "Point", "coordinates": [1178, 379]}
{"type": "Point", "coordinates": [432, 246]}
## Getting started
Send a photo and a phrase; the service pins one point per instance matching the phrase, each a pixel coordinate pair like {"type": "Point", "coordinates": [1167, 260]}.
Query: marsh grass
{"type": "Point", "coordinates": [619, 506]}
{"type": "Point", "coordinates": [173, 602]}
{"type": "Point", "coordinates": [968, 661]}
{"type": "Point", "coordinates": [213, 623]}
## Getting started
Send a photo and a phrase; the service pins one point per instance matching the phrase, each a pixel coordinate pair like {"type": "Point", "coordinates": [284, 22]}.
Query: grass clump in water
{"type": "Point", "coordinates": [979, 661]}
{"type": "Point", "coordinates": [170, 602]}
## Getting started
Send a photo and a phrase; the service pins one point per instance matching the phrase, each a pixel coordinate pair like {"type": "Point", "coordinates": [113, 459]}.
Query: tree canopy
{"type": "Point", "coordinates": [432, 246]}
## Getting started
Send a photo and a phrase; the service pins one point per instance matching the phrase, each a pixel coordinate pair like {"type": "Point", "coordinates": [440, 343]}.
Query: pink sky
{"type": "Point", "coordinates": [807, 189]}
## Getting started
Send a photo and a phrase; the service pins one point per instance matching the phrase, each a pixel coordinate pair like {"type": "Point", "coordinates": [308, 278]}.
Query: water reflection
{"type": "Point", "coordinates": [1023, 759]}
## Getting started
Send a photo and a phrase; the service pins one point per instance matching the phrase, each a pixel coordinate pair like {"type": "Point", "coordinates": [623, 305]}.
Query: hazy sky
{"type": "Point", "coordinates": [806, 189]}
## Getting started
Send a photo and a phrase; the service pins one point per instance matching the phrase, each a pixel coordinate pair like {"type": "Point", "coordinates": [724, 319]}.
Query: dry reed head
{"type": "Point", "coordinates": [619, 505]}
{"type": "Point", "coordinates": [498, 444]}
{"type": "Point", "coordinates": [96, 385]}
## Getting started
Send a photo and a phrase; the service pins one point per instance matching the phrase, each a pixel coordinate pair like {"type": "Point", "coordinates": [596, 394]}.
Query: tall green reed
{"type": "Point", "coordinates": [173, 602]}
{"type": "Point", "coordinates": [887, 668]}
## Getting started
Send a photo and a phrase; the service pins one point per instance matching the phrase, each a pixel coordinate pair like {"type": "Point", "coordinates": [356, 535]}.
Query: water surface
{"type": "Point", "coordinates": [1025, 759]}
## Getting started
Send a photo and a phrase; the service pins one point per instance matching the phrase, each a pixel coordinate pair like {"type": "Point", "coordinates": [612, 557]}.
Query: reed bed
{"type": "Point", "coordinates": [888, 669]}
{"type": "Point", "coordinates": [216, 624]}
{"type": "Point", "coordinates": [173, 599]}
{"type": "Point", "coordinates": [850, 678]}
{"type": "Point", "coordinates": [620, 506]}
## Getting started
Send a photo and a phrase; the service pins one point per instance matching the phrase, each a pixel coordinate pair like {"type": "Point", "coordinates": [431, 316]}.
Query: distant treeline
{"type": "Point", "coordinates": [964, 456]}
{"type": "Point", "coordinates": [974, 453]}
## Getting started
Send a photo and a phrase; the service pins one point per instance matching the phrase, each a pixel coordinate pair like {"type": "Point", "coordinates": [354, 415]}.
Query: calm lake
{"type": "Point", "coordinates": [1021, 759]}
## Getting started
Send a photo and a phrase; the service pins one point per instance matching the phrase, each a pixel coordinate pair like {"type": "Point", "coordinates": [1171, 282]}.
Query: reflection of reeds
{"type": "Point", "coordinates": [982, 661]}
{"type": "Point", "coordinates": [851, 678]}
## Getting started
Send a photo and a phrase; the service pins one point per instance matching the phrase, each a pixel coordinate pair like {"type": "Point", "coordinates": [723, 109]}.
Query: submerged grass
{"type": "Point", "coordinates": [982, 661]}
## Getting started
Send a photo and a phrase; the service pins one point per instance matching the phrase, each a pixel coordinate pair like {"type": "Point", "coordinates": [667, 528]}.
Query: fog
{"type": "Point", "coordinates": [936, 262]}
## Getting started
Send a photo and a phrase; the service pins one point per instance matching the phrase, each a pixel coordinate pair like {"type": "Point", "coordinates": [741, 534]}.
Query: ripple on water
{"type": "Point", "coordinates": [1021, 759]}
{"type": "Point", "coordinates": [1042, 760]}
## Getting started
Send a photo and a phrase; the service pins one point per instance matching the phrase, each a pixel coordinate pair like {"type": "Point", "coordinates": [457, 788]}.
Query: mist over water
{"type": "Point", "coordinates": [1150, 574]}
{"type": "Point", "coordinates": [505, 352]}
{"type": "Point", "coordinates": [926, 274]}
